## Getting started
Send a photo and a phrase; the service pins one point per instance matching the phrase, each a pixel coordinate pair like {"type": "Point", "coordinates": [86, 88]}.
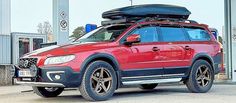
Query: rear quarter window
{"type": "Point", "coordinates": [197, 34]}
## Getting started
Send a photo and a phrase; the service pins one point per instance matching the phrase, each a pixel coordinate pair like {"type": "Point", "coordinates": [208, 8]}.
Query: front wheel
{"type": "Point", "coordinates": [201, 77]}
{"type": "Point", "coordinates": [99, 81]}
{"type": "Point", "coordinates": [48, 91]}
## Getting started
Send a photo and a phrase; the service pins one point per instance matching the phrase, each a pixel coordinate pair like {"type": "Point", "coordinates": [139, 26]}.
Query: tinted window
{"type": "Point", "coordinates": [147, 34]}
{"type": "Point", "coordinates": [172, 34]}
{"type": "Point", "coordinates": [198, 34]}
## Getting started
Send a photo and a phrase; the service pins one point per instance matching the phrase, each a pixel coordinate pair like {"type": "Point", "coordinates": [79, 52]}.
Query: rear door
{"type": "Point", "coordinates": [200, 41]}
{"type": "Point", "coordinates": [176, 50]}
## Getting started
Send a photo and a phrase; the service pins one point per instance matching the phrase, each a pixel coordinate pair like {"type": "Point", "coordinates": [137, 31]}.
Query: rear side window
{"type": "Point", "coordinates": [198, 34]}
{"type": "Point", "coordinates": [147, 34]}
{"type": "Point", "coordinates": [173, 34]}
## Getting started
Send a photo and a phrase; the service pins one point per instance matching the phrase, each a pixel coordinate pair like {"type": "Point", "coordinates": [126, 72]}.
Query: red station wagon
{"type": "Point", "coordinates": [139, 45]}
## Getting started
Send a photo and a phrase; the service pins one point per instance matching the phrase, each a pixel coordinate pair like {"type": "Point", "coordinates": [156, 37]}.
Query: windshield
{"type": "Point", "coordinates": [103, 34]}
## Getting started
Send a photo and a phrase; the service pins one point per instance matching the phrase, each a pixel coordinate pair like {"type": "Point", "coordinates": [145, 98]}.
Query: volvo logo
{"type": "Point", "coordinates": [25, 63]}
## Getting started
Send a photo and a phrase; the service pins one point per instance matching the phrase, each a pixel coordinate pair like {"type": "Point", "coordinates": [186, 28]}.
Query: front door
{"type": "Point", "coordinates": [144, 59]}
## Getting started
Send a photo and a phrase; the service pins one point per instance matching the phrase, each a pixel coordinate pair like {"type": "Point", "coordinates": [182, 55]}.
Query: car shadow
{"type": "Point", "coordinates": [126, 93]}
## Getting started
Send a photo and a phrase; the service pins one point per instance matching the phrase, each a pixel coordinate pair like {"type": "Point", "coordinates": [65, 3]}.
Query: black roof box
{"type": "Point", "coordinates": [149, 10]}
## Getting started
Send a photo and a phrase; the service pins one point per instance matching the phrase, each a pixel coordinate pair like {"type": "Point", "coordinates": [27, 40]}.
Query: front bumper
{"type": "Point", "coordinates": [52, 77]}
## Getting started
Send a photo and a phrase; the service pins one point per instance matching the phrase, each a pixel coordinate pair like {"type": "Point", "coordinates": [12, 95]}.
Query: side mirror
{"type": "Point", "coordinates": [134, 38]}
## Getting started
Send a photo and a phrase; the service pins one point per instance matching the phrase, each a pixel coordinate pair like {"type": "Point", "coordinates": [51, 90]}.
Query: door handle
{"type": "Point", "coordinates": [187, 48]}
{"type": "Point", "coordinates": [155, 49]}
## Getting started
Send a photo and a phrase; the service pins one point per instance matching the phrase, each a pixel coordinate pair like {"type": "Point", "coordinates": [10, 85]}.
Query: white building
{"type": "Point", "coordinates": [5, 17]}
{"type": "Point", "coordinates": [5, 41]}
{"type": "Point", "coordinates": [5, 30]}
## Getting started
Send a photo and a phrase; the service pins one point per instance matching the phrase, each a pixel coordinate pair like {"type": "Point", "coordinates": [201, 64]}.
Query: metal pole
{"type": "Point", "coordinates": [131, 2]}
{"type": "Point", "coordinates": [61, 21]}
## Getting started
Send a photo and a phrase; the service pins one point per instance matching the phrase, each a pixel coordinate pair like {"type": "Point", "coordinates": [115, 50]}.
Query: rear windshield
{"type": "Point", "coordinates": [198, 34]}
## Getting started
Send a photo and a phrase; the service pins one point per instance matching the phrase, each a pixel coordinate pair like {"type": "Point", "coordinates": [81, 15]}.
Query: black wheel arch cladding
{"type": "Point", "coordinates": [201, 56]}
{"type": "Point", "coordinates": [104, 57]}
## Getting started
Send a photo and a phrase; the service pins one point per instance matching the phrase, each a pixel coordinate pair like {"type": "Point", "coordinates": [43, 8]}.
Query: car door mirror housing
{"type": "Point", "coordinates": [134, 38]}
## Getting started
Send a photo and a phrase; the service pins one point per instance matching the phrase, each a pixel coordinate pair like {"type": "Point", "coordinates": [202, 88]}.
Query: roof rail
{"type": "Point", "coordinates": [192, 21]}
{"type": "Point", "coordinates": [146, 19]}
{"type": "Point", "coordinates": [110, 22]}
{"type": "Point", "coordinates": [119, 21]}
{"type": "Point", "coordinates": [167, 19]}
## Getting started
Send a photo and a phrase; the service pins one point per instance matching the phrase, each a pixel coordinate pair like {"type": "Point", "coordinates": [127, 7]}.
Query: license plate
{"type": "Point", "coordinates": [24, 73]}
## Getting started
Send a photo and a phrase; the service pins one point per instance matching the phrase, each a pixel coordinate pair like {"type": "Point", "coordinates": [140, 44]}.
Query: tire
{"type": "Point", "coordinates": [99, 81]}
{"type": "Point", "coordinates": [147, 86]}
{"type": "Point", "coordinates": [47, 92]}
{"type": "Point", "coordinates": [200, 80]}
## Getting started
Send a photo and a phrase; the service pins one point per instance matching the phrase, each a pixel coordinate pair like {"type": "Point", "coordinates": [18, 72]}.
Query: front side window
{"type": "Point", "coordinates": [198, 34]}
{"type": "Point", "coordinates": [147, 34]}
{"type": "Point", "coordinates": [172, 34]}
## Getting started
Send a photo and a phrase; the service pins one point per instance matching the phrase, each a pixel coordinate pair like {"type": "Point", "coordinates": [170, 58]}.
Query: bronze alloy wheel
{"type": "Point", "coordinates": [101, 81]}
{"type": "Point", "coordinates": [203, 76]}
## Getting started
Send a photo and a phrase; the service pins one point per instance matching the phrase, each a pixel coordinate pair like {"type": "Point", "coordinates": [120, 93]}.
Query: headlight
{"type": "Point", "coordinates": [59, 59]}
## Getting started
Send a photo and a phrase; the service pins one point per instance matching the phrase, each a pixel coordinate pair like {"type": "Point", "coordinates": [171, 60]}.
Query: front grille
{"type": "Point", "coordinates": [27, 62]}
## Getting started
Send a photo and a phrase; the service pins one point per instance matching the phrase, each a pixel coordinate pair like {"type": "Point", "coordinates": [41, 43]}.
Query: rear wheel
{"type": "Point", "coordinates": [48, 91]}
{"type": "Point", "coordinates": [201, 77]}
{"type": "Point", "coordinates": [99, 81]}
{"type": "Point", "coordinates": [147, 86]}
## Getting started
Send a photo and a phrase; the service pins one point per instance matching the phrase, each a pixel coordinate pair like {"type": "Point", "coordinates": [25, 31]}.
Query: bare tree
{"type": "Point", "coordinates": [40, 28]}
{"type": "Point", "coordinates": [45, 28]}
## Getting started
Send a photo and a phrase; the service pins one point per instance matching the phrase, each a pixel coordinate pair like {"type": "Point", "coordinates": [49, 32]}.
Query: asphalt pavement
{"type": "Point", "coordinates": [220, 93]}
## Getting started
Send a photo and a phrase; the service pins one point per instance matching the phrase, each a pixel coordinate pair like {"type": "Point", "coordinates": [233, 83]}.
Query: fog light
{"type": "Point", "coordinates": [57, 77]}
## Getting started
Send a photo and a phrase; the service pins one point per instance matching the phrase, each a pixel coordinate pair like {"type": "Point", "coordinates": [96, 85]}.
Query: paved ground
{"type": "Point", "coordinates": [163, 94]}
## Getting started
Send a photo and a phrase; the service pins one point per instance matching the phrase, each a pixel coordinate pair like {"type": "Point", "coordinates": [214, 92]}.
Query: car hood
{"type": "Point", "coordinates": [72, 48]}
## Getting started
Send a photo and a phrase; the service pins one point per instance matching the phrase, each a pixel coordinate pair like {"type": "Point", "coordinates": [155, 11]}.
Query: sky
{"type": "Point", "coordinates": [27, 14]}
